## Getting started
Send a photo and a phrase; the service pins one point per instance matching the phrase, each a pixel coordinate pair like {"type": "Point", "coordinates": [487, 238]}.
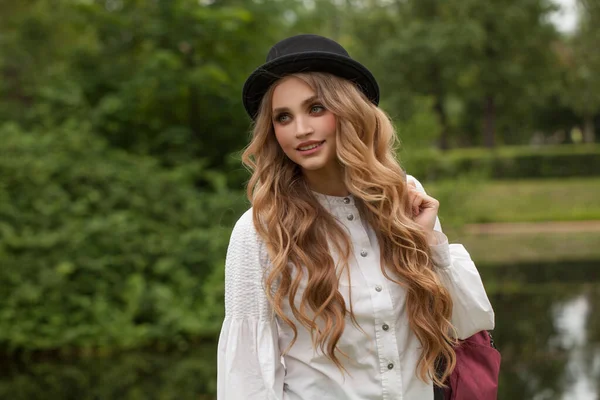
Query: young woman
{"type": "Point", "coordinates": [339, 281]}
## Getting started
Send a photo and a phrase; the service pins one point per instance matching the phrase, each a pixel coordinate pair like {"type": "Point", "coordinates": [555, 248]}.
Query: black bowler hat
{"type": "Point", "coordinates": [306, 53]}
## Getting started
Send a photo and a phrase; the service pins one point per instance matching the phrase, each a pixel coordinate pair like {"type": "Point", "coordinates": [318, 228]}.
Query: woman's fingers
{"type": "Point", "coordinates": [416, 203]}
{"type": "Point", "coordinates": [424, 207]}
{"type": "Point", "coordinates": [420, 200]}
{"type": "Point", "coordinates": [414, 198]}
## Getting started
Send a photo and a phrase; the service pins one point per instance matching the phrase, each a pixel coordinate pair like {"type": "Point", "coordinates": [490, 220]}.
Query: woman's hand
{"type": "Point", "coordinates": [424, 210]}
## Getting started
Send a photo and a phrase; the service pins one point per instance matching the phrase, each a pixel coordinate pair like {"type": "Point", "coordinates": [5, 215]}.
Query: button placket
{"type": "Point", "coordinates": [365, 258]}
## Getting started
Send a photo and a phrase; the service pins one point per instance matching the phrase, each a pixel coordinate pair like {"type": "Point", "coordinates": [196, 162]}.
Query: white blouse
{"type": "Point", "coordinates": [382, 363]}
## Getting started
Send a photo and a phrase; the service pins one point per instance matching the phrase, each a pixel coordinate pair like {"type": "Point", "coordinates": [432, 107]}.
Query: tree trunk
{"type": "Point", "coordinates": [440, 110]}
{"type": "Point", "coordinates": [589, 132]}
{"type": "Point", "coordinates": [194, 111]}
{"type": "Point", "coordinates": [443, 118]}
{"type": "Point", "coordinates": [489, 121]}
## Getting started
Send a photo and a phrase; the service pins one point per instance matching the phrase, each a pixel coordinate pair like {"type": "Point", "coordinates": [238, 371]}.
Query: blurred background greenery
{"type": "Point", "coordinates": [121, 127]}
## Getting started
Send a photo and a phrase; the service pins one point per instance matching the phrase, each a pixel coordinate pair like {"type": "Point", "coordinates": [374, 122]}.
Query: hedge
{"type": "Point", "coordinates": [102, 249]}
{"type": "Point", "coordinates": [189, 375]}
{"type": "Point", "coordinates": [506, 162]}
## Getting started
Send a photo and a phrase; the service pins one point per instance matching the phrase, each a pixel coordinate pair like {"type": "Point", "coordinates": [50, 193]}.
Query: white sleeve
{"type": "Point", "coordinates": [249, 360]}
{"type": "Point", "coordinates": [472, 311]}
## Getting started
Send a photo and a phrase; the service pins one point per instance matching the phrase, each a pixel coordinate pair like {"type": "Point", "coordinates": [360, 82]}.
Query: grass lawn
{"type": "Point", "coordinates": [572, 199]}
{"type": "Point", "coordinates": [524, 248]}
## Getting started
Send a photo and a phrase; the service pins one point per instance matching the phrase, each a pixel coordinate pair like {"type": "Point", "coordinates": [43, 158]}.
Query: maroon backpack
{"type": "Point", "coordinates": [475, 376]}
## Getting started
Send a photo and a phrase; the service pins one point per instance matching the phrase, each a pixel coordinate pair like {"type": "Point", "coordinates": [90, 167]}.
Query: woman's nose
{"type": "Point", "coordinates": [303, 127]}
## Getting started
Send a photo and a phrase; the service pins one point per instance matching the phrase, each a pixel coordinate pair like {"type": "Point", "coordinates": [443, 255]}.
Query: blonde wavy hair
{"type": "Point", "coordinates": [296, 228]}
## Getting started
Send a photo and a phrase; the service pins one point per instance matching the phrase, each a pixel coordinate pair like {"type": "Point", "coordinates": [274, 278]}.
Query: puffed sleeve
{"type": "Point", "coordinates": [472, 311]}
{"type": "Point", "coordinates": [249, 360]}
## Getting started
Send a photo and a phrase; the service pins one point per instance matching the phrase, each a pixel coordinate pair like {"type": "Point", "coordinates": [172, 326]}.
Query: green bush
{"type": "Point", "coordinates": [102, 249]}
{"type": "Point", "coordinates": [506, 162]}
{"type": "Point", "coordinates": [189, 375]}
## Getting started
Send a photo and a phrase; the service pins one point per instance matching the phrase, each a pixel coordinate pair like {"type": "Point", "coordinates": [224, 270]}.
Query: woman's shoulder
{"type": "Point", "coordinates": [410, 178]}
{"type": "Point", "coordinates": [244, 228]}
{"type": "Point", "coordinates": [246, 220]}
{"type": "Point", "coordinates": [245, 240]}
{"type": "Point", "coordinates": [244, 271]}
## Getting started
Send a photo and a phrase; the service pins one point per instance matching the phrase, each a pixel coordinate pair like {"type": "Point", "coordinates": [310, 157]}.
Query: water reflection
{"type": "Point", "coordinates": [571, 318]}
{"type": "Point", "coordinates": [547, 331]}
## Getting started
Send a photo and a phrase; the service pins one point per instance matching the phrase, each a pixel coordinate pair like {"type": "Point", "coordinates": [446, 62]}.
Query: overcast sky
{"type": "Point", "coordinates": [566, 19]}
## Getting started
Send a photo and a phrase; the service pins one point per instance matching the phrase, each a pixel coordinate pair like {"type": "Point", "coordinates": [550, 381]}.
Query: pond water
{"type": "Point", "coordinates": [548, 332]}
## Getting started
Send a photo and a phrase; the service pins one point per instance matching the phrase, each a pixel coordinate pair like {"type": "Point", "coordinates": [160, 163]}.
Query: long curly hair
{"type": "Point", "coordinates": [297, 229]}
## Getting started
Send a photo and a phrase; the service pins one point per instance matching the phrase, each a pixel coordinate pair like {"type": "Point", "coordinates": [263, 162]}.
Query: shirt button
{"type": "Point", "coordinates": [385, 327]}
{"type": "Point", "coordinates": [378, 288]}
{"type": "Point", "coordinates": [346, 200]}
{"type": "Point", "coordinates": [390, 365]}
{"type": "Point", "coordinates": [350, 217]}
{"type": "Point", "coordinates": [363, 253]}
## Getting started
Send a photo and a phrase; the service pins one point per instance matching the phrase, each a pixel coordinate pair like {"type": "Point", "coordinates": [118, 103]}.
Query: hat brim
{"type": "Point", "coordinates": [262, 78]}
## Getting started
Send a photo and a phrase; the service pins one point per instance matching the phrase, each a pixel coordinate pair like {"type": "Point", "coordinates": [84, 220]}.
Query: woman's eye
{"type": "Point", "coordinates": [281, 118]}
{"type": "Point", "coordinates": [317, 109]}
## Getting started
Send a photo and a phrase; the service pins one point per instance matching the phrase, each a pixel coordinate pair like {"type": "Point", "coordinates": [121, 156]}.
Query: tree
{"type": "Point", "coordinates": [582, 61]}
{"type": "Point", "coordinates": [512, 61]}
{"type": "Point", "coordinates": [157, 77]}
{"type": "Point", "coordinates": [427, 55]}
{"type": "Point", "coordinates": [477, 60]}
{"type": "Point", "coordinates": [101, 248]}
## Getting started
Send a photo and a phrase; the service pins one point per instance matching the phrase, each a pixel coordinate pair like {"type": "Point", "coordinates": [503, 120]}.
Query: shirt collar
{"type": "Point", "coordinates": [330, 202]}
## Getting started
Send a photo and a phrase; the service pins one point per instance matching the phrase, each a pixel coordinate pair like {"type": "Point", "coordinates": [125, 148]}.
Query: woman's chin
{"type": "Point", "coordinates": [312, 166]}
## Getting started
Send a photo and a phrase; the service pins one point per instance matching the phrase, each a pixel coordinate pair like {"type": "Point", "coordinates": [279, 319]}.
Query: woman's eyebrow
{"type": "Point", "coordinates": [304, 103]}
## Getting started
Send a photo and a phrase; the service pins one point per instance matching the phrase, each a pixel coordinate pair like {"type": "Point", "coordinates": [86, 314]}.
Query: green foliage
{"type": "Point", "coordinates": [153, 77]}
{"type": "Point", "coordinates": [103, 249]}
{"type": "Point", "coordinates": [164, 77]}
{"type": "Point", "coordinates": [128, 376]}
{"type": "Point", "coordinates": [465, 54]}
{"type": "Point", "coordinates": [581, 62]}
{"type": "Point", "coordinates": [420, 128]}
{"type": "Point", "coordinates": [506, 163]}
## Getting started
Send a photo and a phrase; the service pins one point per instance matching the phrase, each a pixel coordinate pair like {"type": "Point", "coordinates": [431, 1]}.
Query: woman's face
{"type": "Point", "coordinates": [304, 129]}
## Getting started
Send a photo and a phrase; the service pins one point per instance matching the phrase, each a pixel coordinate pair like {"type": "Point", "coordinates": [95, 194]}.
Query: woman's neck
{"type": "Point", "coordinates": [328, 182]}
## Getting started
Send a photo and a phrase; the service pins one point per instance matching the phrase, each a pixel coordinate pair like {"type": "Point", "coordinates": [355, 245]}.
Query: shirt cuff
{"type": "Point", "coordinates": [440, 252]}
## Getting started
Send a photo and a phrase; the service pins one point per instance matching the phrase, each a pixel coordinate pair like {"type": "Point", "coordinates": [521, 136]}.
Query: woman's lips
{"type": "Point", "coordinates": [312, 150]}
